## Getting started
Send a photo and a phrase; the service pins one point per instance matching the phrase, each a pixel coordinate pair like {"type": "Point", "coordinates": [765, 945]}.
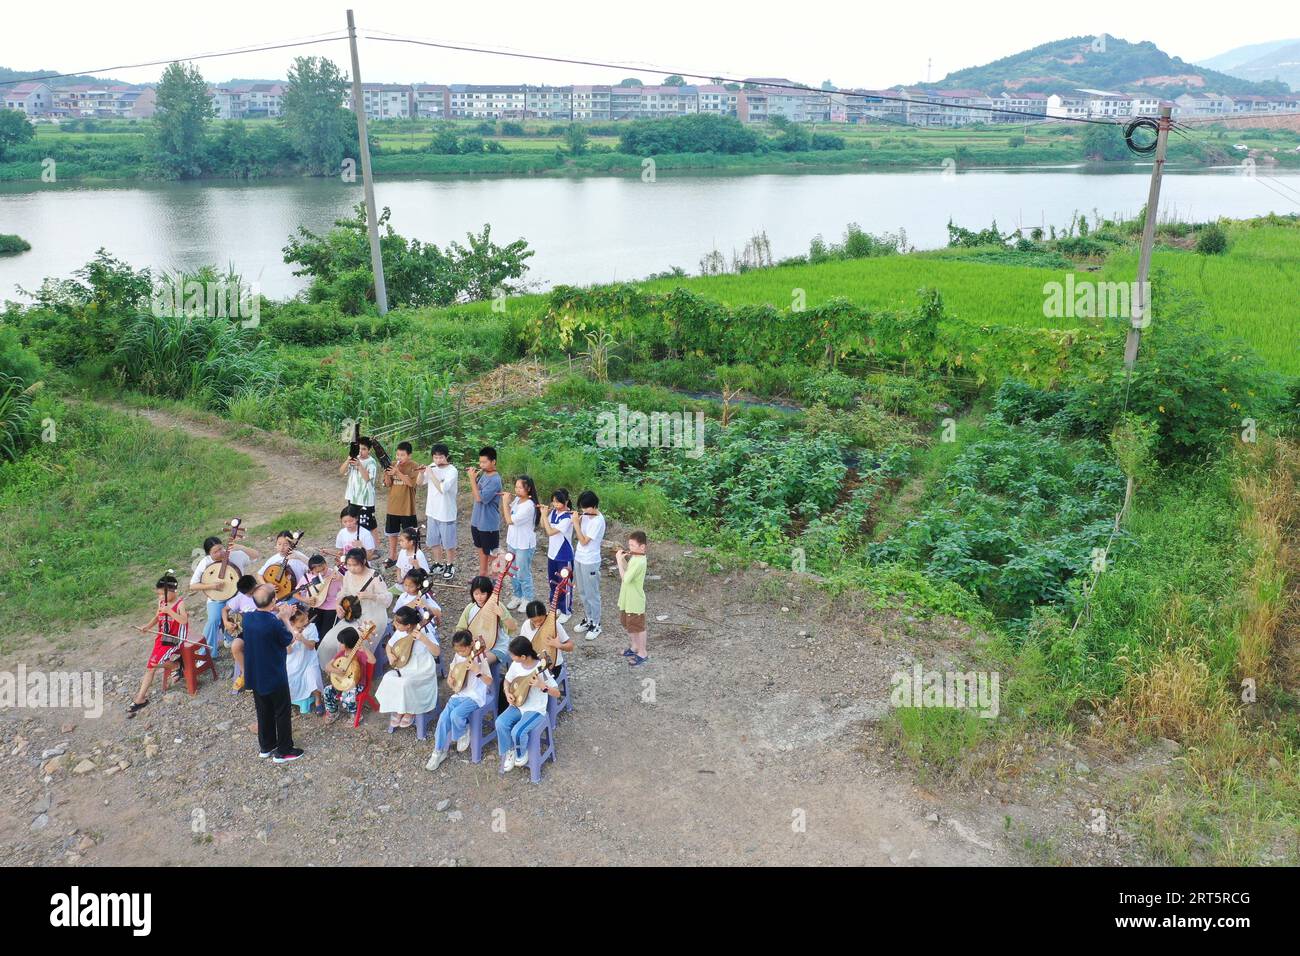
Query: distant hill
{"type": "Point", "coordinates": [1103, 63]}
{"type": "Point", "coordinates": [8, 74]}
{"type": "Point", "coordinates": [1279, 60]}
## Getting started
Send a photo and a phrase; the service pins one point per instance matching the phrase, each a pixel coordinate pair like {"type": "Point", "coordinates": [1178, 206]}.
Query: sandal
{"type": "Point", "coordinates": [136, 707]}
{"type": "Point", "coordinates": [394, 721]}
{"type": "Point", "coordinates": [407, 720]}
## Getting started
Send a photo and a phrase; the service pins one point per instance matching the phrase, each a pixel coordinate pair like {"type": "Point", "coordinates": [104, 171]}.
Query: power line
{"type": "Point", "coordinates": [322, 38]}
{"type": "Point", "coordinates": [370, 35]}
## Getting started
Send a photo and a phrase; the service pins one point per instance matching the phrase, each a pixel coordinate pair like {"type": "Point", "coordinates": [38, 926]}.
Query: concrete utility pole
{"type": "Point", "coordinates": [367, 180]}
{"type": "Point", "coordinates": [1142, 295]}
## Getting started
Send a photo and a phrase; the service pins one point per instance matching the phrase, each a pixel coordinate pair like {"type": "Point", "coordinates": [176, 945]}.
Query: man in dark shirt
{"type": "Point", "coordinates": [266, 674]}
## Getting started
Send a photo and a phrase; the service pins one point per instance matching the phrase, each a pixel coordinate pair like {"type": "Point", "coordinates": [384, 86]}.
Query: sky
{"type": "Point", "coordinates": [864, 45]}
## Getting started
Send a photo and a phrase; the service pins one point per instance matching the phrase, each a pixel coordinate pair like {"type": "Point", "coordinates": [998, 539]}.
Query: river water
{"type": "Point", "coordinates": [589, 229]}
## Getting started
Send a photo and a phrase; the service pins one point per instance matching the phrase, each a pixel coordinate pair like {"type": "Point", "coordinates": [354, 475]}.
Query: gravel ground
{"type": "Point", "coordinates": [749, 738]}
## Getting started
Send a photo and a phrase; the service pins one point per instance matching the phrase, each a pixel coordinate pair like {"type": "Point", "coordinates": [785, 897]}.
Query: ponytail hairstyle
{"type": "Point", "coordinates": [168, 582]}
{"type": "Point", "coordinates": [532, 496]}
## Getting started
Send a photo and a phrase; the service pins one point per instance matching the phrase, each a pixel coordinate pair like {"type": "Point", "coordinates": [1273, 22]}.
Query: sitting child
{"type": "Point", "coordinates": [347, 699]}
{"type": "Point", "coordinates": [454, 720]}
{"type": "Point", "coordinates": [555, 646]}
{"type": "Point", "coordinates": [412, 688]}
{"type": "Point", "coordinates": [305, 686]}
{"type": "Point", "coordinates": [409, 555]}
{"type": "Point", "coordinates": [517, 721]}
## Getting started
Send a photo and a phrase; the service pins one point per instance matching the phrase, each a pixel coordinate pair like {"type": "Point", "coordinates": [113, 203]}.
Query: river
{"type": "Point", "coordinates": [590, 229]}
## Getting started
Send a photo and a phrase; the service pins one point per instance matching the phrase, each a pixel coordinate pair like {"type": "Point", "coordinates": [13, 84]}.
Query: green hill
{"type": "Point", "coordinates": [1103, 62]}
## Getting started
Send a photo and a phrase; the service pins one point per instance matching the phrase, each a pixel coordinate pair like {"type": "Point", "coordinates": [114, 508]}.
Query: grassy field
{"type": "Point", "coordinates": [104, 504]}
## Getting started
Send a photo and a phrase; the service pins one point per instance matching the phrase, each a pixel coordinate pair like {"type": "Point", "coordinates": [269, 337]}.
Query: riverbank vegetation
{"type": "Point", "coordinates": [918, 427]}
{"type": "Point", "coordinates": [315, 136]}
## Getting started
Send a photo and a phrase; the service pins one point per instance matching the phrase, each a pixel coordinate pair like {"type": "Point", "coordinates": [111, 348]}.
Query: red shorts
{"type": "Point", "coordinates": [162, 653]}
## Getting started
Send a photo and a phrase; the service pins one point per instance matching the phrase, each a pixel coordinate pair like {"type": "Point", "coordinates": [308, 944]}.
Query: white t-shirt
{"type": "Point", "coordinates": [298, 568]}
{"type": "Point", "coordinates": [535, 702]}
{"type": "Point", "coordinates": [522, 534]}
{"type": "Point", "coordinates": [361, 482]}
{"type": "Point", "coordinates": [527, 630]}
{"type": "Point", "coordinates": [474, 688]}
{"type": "Point", "coordinates": [407, 561]}
{"type": "Point", "coordinates": [441, 505]}
{"type": "Point", "coordinates": [404, 599]}
{"type": "Point", "coordinates": [564, 525]}
{"type": "Point", "coordinates": [345, 539]}
{"type": "Point", "coordinates": [593, 526]}
{"type": "Point", "coordinates": [238, 558]}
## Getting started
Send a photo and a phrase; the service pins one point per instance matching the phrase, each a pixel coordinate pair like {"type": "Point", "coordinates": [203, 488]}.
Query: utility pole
{"type": "Point", "coordinates": [367, 180]}
{"type": "Point", "coordinates": [1142, 294]}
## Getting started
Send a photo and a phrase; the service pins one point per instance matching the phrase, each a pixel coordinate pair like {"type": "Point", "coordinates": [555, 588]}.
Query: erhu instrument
{"type": "Point", "coordinates": [547, 629]}
{"type": "Point", "coordinates": [345, 672]}
{"type": "Point", "coordinates": [281, 575]}
{"type": "Point", "coordinates": [460, 669]}
{"type": "Point", "coordinates": [224, 575]}
{"type": "Point", "coordinates": [484, 624]}
{"type": "Point", "coordinates": [521, 685]}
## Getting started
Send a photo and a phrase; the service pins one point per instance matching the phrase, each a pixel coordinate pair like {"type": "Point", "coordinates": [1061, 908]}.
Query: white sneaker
{"type": "Point", "coordinates": [593, 633]}
{"type": "Point", "coordinates": [522, 761]}
{"type": "Point", "coordinates": [582, 625]}
{"type": "Point", "coordinates": [562, 618]}
{"type": "Point", "coordinates": [463, 743]}
{"type": "Point", "coordinates": [515, 603]}
{"type": "Point", "coordinates": [436, 760]}
{"type": "Point", "coordinates": [509, 763]}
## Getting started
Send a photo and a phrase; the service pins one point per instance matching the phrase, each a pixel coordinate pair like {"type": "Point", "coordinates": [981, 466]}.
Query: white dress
{"type": "Point", "coordinates": [415, 689]}
{"type": "Point", "coordinates": [304, 668]}
{"type": "Point", "coordinates": [374, 609]}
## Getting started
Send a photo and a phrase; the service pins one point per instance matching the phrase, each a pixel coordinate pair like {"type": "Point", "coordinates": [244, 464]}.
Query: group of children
{"type": "Point", "coordinates": [338, 611]}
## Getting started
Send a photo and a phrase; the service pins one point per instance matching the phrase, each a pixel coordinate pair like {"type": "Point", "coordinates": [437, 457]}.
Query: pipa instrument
{"type": "Point", "coordinates": [223, 574]}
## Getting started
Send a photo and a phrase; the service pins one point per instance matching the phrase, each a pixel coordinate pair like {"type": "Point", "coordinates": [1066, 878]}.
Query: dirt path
{"type": "Point", "coordinates": [741, 742]}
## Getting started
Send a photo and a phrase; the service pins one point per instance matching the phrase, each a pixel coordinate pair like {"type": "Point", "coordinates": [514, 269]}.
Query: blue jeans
{"type": "Point", "coordinates": [553, 569]}
{"type": "Point", "coordinates": [522, 582]}
{"type": "Point", "coordinates": [452, 721]}
{"type": "Point", "coordinates": [587, 581]}
{"type": "Point", "coordinates": [212, 631]}
{"type": "Point", "coordinates": [514, 725]}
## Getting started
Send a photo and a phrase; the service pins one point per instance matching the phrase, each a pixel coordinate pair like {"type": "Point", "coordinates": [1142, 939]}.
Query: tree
{"type": "Point", "coordinates": [181, 121]}
{"type": "Point", "coordinates": [673, 80]}
{"type": "Point", "coordinates": [320, 129]}
{"type": "Point", "coordinates": [792, 137]}
{"type": "Point", "coordinates": [630, 81]}
{"type": "Point", "coordinates": [1104, 141]}
{"type": "Point", "coordinates": [575, 137]}
{"type": "Point", "coordinates": [417, 274]}
{"type": "Point", "coordinates": [14, 129]}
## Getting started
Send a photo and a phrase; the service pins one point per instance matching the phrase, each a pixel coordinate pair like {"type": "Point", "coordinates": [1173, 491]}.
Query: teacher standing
{"type": "Point", "coordinates": [266, 674]}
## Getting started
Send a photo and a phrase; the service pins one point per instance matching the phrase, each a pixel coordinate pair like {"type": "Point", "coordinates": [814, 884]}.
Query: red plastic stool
{"type": "Point", "coordinates": [196, 660]}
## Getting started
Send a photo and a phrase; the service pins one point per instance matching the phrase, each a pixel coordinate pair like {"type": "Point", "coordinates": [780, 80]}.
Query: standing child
{"type": "Point", "coordinates": [558, 525]}
{"type": "Point", "coordinates": [631, 597]}
{"type": "Point", "coordinates": [324, 600]}
{"type": "Point", "coordinates": [588, 534]}
{"type": "Point", "coordinates": [242, 603]}
{"type": "Point", "coordinates": [440, 510]}
{"type": "Point", "coordinates": [170, 625]}
{"type": "Point", "coordinates": [400, 479]}
{"type": "Point", "coordinates": [521, 515]}
{"type": "Point", "coordinates": [305, 686]}
{"type": "Point", "coordinates": [517, 721]}
{"type": "Point", "coordinates": [453, 723]}
{"type": "Point", "coordinates": [215, 551]}
{"type": "Point", "coordinates": [362, 471]}
{"type": "Point", "coordinates": [485, 522]}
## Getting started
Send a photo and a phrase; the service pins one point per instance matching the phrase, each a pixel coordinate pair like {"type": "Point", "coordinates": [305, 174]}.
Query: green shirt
{"type": "Point", "coordinates": [631, 595]}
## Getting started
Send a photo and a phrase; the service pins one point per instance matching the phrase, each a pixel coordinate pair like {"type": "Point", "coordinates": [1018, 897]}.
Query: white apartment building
{"type": "Point", "coordinates": [31, 99]}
